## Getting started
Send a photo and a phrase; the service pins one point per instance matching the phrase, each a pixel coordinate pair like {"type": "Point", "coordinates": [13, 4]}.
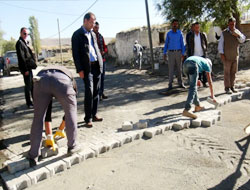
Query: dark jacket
{"type": "Point", "coordinates": [24, 55]}
{"type": "Point", "coordinates": [80, 51]}
{"type": "Point", "coordinates": [190, 44]}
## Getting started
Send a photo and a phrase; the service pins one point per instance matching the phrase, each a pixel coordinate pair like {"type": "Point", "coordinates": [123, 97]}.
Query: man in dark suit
{"type": "Point", "coordinates": [25, 57]}
{"type": "Point", "coordinates": [89, 65]}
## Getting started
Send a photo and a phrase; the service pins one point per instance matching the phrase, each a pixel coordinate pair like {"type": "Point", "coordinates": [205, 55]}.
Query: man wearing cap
{"type": "Point", "coordinates": [191, 68]}
{"type": "Point", "coordinates": [228, 48]}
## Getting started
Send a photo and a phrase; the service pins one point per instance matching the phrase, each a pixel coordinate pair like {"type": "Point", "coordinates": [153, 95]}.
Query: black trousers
{"type": "Point", "coordinates": [92, 85]}
{"type": "Point", "coordinates": [28, 88]}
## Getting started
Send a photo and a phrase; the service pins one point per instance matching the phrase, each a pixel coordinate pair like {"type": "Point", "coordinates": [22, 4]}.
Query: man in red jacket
{"type": "Point", "coordinates": [104, 50]}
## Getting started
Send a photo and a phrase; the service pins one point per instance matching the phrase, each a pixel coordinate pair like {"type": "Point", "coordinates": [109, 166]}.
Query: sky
{"type": "Point", "coordinates": [113, 16]}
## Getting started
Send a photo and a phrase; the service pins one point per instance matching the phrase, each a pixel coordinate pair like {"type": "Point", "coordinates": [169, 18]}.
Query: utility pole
{"type": "Point", "coordinates": [149, 35]}
{"type": "Point", "coordinates": [60, 45]}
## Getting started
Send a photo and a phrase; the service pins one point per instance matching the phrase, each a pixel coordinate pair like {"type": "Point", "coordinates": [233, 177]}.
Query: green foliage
{"type": "Point", "coordinates": [188, 11]}
{"type": "Point", "coordinates": [35, 35]}
{"type": "Point", "coordinates": [1, 41]}
{"type": "Point", "coordinates": [9, 45]}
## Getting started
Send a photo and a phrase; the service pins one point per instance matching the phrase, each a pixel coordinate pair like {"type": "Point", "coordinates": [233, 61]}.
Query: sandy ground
{"type": "Point", "coordinates": [161, 163]}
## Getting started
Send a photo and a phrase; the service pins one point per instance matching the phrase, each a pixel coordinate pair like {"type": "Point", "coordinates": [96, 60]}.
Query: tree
{"type": "Point", "coordinates": [35, 35]}
{"type": "Point", "coordinates": [1, 41]}
{"type": "Point", "coordinates": [188, 11]}
{"type": "Point", "coordinates": [9, 45]}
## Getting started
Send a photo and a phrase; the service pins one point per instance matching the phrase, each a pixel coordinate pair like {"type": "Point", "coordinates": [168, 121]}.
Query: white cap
{"type": "Point", "coordinates": [136, 42]}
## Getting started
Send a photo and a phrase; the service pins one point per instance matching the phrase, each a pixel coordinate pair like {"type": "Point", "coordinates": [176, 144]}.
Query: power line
{"type": "Point", "coordinates": [37, 10]}
{"type": "Point", "coordinates": [65, 28]}
{"type": "Point", "coordinates": [68, 14]}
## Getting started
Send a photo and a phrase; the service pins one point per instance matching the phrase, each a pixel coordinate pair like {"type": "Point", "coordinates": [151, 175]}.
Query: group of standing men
{"type": "Point", "coordinates": [197, 67]}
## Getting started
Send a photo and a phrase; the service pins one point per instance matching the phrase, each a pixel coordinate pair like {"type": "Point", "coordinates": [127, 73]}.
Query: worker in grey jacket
{"type": "Point", "coordinates": [58, 82]}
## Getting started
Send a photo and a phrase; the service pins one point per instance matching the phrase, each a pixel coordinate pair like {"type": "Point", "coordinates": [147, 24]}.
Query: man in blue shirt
{"type": "Point", "coordinates": [174, 45]}
{"type": "Point", "coordinates": [191, 68]}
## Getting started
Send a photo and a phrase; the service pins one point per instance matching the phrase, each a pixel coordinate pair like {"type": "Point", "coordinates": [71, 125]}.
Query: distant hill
{"type": "Point", "coordinates": [53, 42]}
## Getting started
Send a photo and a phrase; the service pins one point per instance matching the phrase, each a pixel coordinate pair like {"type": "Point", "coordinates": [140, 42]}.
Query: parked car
{"type": "Point", "coordinates": [1, 64]}
{"type": "Point", "coordinates": [10, 62]}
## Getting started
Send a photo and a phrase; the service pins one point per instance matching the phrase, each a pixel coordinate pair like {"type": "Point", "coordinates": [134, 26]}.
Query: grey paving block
{"type": "Point", "coordinates": [48, 152]}
{"type": "Point", "coordinates": [142, 124]}
{"type": "Point", "coordinates": [127, 125]}
{"type": "Point", "coordinates": [18, 181]}
{"type": "Point", "coordinates": [215, 104]}
{"type": "Point", "coordinates": [38, 174]}
{"type": "Point", "coordinates": [123, 138]}
{"type": "Point", "coordinates": [248, 84]}
{"type": "Point", "coordinates": [72, 160]}
{"type": "Point", "coordinates": [56, 167]}
{"type": "Point", "coordinates": [242, 85]}
{"type": "Point", "coordinates": [61, 142]}
{"type": "Point", "coordinates": [196, 123]}
{"type": "Point", "coordinates": [18, 165]}
{"type": "Point", "coordinates": [134, 135]}
{"type": "Point", "coordinates": [182, 124]}
{"type": "Point", "coordinates": [207, 122]}
{"type": "Point", "coordinates": [99, 148]}
{"type": "Point", "coordinates": [86, 153]}
{"type": "Point", "coordinates": [151, 132]}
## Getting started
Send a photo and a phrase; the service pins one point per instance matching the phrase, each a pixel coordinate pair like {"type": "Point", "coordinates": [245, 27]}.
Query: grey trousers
{"type": "Point", "coordinates": [57, 84]}
{"type": "Point", "coordinates": [174, 59]}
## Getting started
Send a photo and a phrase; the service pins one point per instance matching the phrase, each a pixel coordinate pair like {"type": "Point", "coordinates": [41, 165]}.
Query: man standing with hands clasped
{"type": "Point", "coordinates": [26, 62]}
{"type": "Point", "coordinates": [228, 48]}
{"type": "Point", "coordinates": [174, 45]}
{"type": "Point", "coordinates": [89, 65]}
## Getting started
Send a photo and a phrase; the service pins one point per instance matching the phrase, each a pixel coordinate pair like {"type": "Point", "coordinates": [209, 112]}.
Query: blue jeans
{"type": "Point", "coordinates": [190, 69]}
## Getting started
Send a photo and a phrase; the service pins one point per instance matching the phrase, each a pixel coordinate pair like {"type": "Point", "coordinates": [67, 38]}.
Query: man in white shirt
{"type": "Point", "coordinates": [228, 48]}
{"type": "Point", "coordinates": [197, 46]}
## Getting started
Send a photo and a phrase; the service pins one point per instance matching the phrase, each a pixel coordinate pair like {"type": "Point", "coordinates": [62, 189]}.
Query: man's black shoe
{"type": "Point", "coordinates": [234, 90]}
{"type": "Point", "coordinates": [104, 97]}
{"type": "Point", "coordinates": [170, 87]}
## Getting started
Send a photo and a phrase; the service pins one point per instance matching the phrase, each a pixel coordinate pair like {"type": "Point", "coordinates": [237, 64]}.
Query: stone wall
{"type": "Point", "coordinates": [125, 42]}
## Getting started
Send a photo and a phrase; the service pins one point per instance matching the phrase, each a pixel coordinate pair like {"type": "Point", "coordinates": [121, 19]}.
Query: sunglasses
{"type": "Point", "coordinates": [25, 34]}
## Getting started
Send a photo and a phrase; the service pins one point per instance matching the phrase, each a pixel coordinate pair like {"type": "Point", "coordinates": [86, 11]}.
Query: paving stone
{"type": "Point", "coordinates": [72, 160]}
{"type": "Point", "coordinates": [56, 167]}
{"type": "Point", "coordinates": [38, 174]}
{"type": "Point", "coordinates": [48, 152]}
{"type": "Point", "coordinates": [237, 86]}
{"type": "Point", "coordinates": [242, 85]}
{"type": "Point", "coordinates": [86, 153]}
{"type": "Point", "coordinates": [18, 165]}
{"type": "Point", "coordinates": [196, 123]}
{"type": "Point", "coordinates": [163, 128]}
{"type": "Point", "coordinates": [207, 123]}
{"type": "Point", "coordinates": [182, 124]}
{"type": "Point", "coordinates": [127, 125]}
{"type": "Point", "coordinates": [17, 182]}
{"type": "Point", "coordinates": [142, 124]}
{"type": "Point", "coordinates": [134, 135]}
{"type": "Point", "coordinates": [123, 138]}
{"type": "Point", "coordinates": [61, 142]}
{"type": "Point", "coordinates": [98, 146]}
{"type": "Point", "coordinates": [151, 132]}
{"type": "Point", "coordinates": [216, 104]}
{"type": "Point", "coordinates": [248, 84]}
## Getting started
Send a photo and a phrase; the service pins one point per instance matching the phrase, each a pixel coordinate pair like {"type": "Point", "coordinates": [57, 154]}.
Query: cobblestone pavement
{"type": "Point", "coordinates": [133, 95]}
